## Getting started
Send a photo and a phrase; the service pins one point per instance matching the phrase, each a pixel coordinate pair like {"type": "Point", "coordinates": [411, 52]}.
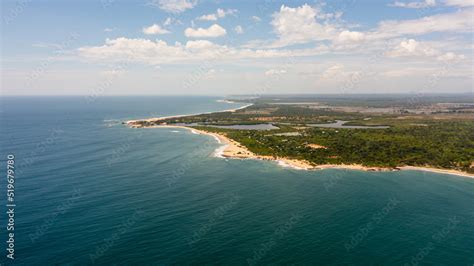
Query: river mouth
{"type": "Point", "coordinates": [341, 124]}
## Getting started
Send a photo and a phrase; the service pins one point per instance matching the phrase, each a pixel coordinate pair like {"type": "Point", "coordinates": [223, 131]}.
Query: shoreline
{"type": "Point", "coordinates": [234, 150]}
{"type": "Point", "coordinates": [154, 119]}
{"type": "Point", "coordinates": [436, 170]}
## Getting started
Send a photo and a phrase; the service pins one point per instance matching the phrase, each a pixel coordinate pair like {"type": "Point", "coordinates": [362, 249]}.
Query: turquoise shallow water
{"type": "Point", "coordinates": [91, 191]}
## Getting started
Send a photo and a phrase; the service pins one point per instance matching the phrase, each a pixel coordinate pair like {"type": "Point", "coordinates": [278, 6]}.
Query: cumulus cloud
{"type": "Point", "coordinates": [201, 45]}
{"type": "Point", "coordinates": [306, 24]}
{"type": "Point", "coordinates": [159, 52]}
{"type": "Point", "coordinates": [220, 13]}
{"type": "Point", "coordinates": [154, 29]}
{"type": "Point", "coordinates": [169, 21]}
{"type": "Point", "coordinates": [459, 3]}
{"type": "Point", "coordinates": [450, 56]}
{"type": "Point", "coordinates": [423, 4]}
{"type": "Point", "coordinates": [299, 25]}
{"type": "Point", "coordinates": [210, 17]}
{"type": "Point", "coordinates": [256, 19]}
{"type": "Point", "coordinates": [238, 29]}
{"type": "Point", "coordinates": [412, 48]}
{"type": "Point", "coordinates": [350, 37]}
{"type": "Point", "coordinates": [326, 16]}
{"type": "Point", "coordinates": [174, 6]}
{"type": "Point", "coordinates": [460, 21]}
{"type": "Point", "coordinates": [211, 32]}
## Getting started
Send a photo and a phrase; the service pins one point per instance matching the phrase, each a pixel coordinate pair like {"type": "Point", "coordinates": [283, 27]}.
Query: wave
{"type": "Point", "coordinates": [219, 152]}
{"type": "Point", "coordinates": [286, 165]}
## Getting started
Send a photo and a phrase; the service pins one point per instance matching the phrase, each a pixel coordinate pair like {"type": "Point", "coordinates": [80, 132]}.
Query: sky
{"type": "Point", "coordinates": [224, 47]}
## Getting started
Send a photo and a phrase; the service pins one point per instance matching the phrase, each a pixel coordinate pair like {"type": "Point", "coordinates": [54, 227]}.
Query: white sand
{"type": "Point", "coordinates": [233, 149]}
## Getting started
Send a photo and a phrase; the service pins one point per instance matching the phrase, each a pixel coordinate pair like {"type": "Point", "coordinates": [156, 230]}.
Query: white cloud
{"type": "Point", "coordinates": [350, 54]}
{"type": "Point", "coordinates": [169, 21]}
{"type": "Point", "coordinates": [159, 52]}
{"type": "Point", "coordinates": [450, 57]}
{"type": "Point", "coordinates": [154, 29]}
{"type": "Point", "coordinates": [306, 24]}
{"type": "Point", "coordinates": [332, 71]}
{"type": "Point", "coordinates": [299, 25]}
{"type": "Point", "coordinates": [201, 45]}
{"type": "Point", "coordinates": [424, 4]}
{"type": "Point", "coordinates": [273, 72]}
{"type": "Point", "coordinates": [350, 37]}
{"type": "Point", "coordinates": [238, 29]}
{"type": "Point", "coordinates": [174, 6]}
{"type": "Point", "coordinates": [459, 3]}
{"type": "Point", "coordinates": [455, 22]}
{"type": "Point", "coordinates": [220, 13]}
{"type": "Point", "coordinates": [211, 32]}
{"type": "Point", "coordinates": [326, 16]}
{"type": "Point", "coordinates": [256, 19]}
{"type": "Point", "coordinates": [210, 17]}
{"type": "Point", "coordinates": [109, 29]}
{"type": "Point", "coordinates": [412, 48]}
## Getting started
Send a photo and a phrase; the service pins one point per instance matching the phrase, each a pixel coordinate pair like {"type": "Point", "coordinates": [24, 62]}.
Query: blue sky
{"type": "Point", "coordinates": [116, 47]}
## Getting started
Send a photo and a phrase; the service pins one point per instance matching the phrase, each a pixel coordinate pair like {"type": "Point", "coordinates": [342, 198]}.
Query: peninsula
{"type": "Point", "coordinates": [382, 134]}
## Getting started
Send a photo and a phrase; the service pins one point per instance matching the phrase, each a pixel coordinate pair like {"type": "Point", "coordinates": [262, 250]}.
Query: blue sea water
{"type": "Point", "coordinates": [89, 190]}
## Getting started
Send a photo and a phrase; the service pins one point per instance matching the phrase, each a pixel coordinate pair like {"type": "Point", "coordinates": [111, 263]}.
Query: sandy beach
{"type": "Point", "coordinates": [234, 150]}
{"type": "Point", "coordinates": [437, 170]}
{"type": "Point", "coordinates": [155, 119]}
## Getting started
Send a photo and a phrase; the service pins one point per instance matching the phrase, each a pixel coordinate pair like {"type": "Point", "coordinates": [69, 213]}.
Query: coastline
{"type": "Point", "coordinates": [234, 150]}
{"type": "Point", "coordinates": [437, 170]}
{"type": "Point", "coordinates": [155, 119]}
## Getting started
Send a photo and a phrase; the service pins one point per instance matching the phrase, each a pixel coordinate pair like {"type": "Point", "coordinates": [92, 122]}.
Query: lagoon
{"type": "Point", "coordinates": [341, 124]}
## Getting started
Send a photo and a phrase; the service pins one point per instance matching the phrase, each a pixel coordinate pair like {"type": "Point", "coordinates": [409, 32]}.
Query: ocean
{"type": "Point", "coordinates": [89, 190]}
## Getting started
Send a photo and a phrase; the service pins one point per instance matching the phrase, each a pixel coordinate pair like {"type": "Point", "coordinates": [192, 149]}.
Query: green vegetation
{"type": "Point", "coordinates": [433, 133]}
{"type": "Point", "coordinates": [442, 144]}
